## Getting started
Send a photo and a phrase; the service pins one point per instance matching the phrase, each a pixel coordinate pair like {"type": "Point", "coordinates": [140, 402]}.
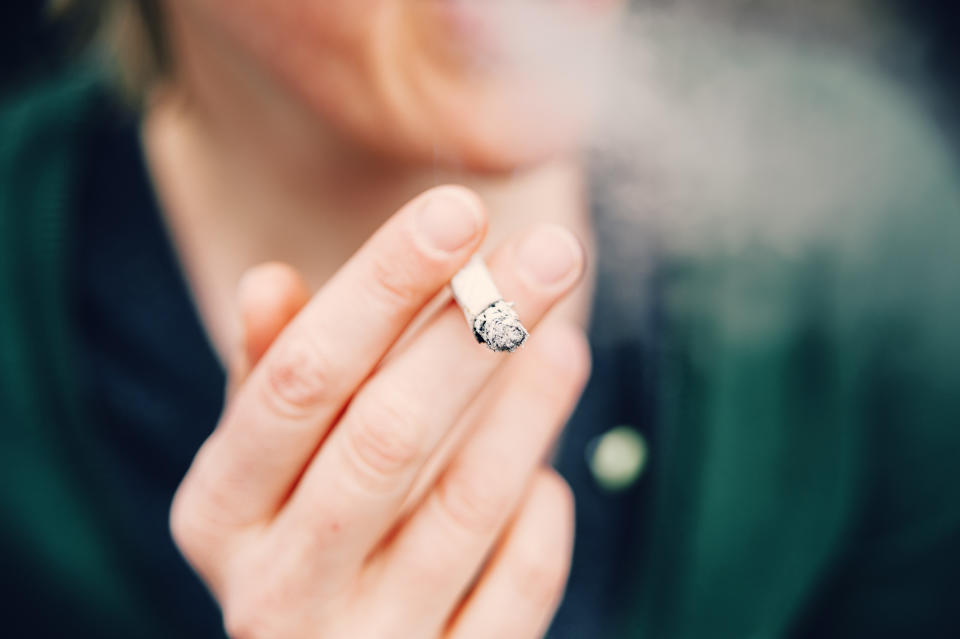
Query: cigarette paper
{"type": "Point", "coordinates": [493, 321]}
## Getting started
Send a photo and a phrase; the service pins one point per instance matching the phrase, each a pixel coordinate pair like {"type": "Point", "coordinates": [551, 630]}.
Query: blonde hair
{"type": "Point", "coordinates": [130, 32]}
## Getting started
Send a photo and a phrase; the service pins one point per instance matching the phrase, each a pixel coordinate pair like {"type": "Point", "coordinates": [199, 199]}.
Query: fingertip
{"type": "Point", "coordinates": [550, 257]}
{"type": "Point", "coordinates": [269, 282]}
{"type": "Point", "coordinates": [269, 296]}
{"type": "Point", "coordinates": [449, 219]}
{"type": "Point", "coordinates": [466, 197]}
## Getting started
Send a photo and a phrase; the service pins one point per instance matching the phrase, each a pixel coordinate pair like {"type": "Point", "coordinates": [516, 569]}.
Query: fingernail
{"type": "Point", "coordinates": [449, 220]}
{"type": "Point", "coordinates": [549, 255]}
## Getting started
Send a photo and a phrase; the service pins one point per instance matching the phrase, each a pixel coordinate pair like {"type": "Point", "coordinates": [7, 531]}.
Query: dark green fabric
{"type": "Point", "coordinates": [811, 379]}
{"type": "Point", "coordinates": [809, 411]}
{"type": "Point", "coordinates": [53, 528]}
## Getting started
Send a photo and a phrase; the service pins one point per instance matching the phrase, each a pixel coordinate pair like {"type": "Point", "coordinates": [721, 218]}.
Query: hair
{"type": "Point", "coordinates": [131, 34]}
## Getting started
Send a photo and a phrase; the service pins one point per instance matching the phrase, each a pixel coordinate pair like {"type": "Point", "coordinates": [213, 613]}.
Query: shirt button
{"type": "Point", "coordinates": [617, 458]}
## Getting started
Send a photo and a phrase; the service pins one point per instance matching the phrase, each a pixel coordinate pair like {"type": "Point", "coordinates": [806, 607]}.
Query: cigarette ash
{"type": "Point", "coordinates": [499, 327]}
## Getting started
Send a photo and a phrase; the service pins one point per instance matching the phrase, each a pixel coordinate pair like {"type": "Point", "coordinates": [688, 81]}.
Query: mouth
{"type": "Point", "coordinates": [494, 33]}
{"type": "Point", "coordinates": [487, 27]}
{"type": "Point", "coordinates": [470, 27]}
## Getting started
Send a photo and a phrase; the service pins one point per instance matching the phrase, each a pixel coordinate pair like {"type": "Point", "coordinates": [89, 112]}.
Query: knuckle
{"type": "Point", "coordinates": [244, 621]}
{"type": "Point", "coordinates": [580, 365]}
{"type": "Point", "coordinates": [474, 501]}
{"type": "Point", "coordinates": [560, 382]}
{"type": "Point", "coordinates": [259, 608]}
{"type": "Point", "coordinates": [558, 503]}
{"type": "Point", "coordinates": [540, 577]}
{"type": "Point", "coordinates": [551, 391]}
{"type": "Point", "coordinates": [202, 516]}
{"type": "Point", "coordinates": [541, 558]}
{"type": "Point", "coordinates": [555, 395]}
{"type": "Point", "coordinates": [562, 494]}
{"type": "Point", "coordinates": [563, 348]}
{"type": "Point", "coordinates": [183, 526]}
{"type": "Point", "coordinates": [383, 441]}
{"type": "Point", "coordinates": [195, 534]}
{"type": "Point", "coordinates": [298, 377]}
{"type": "Point", "coordinates": [236, 624]}
{"type": "Point", "coordinates": [394, 284]}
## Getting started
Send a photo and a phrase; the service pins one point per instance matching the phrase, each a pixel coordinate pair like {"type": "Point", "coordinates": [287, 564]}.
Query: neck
{"type": "Point", "coordinates": [265, 200]}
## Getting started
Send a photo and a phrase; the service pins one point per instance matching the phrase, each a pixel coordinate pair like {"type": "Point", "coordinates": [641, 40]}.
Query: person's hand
{"type": "Point", "coordinates": [329, 501]}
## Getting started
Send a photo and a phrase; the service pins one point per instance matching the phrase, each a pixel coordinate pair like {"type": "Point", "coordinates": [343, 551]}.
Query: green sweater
{"type": "Point", "coordinates": [809, 393]}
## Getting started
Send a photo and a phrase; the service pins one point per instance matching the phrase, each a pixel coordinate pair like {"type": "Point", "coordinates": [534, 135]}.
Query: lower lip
{"type": "Point", "coordinates": [465, 18]}
{"type": "Point", "coordinates": [474, 25]}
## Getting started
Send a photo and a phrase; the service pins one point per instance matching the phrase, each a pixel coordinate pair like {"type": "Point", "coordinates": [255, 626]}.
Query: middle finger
{"type": "Point", "coordinates": [351, 493]}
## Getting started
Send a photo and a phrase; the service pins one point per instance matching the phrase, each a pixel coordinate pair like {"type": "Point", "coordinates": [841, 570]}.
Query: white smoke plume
{"type": "Point", "coordinates": [720, 125]}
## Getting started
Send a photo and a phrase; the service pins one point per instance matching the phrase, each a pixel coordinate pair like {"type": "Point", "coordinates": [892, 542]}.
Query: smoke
{"type": "Point", "coordinates": [719, 127]}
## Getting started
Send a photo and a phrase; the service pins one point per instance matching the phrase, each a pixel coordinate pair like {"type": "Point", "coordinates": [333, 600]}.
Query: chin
{"type": "Point", "coordinates": [485, 146]}
{"type": "Point", "coordinates": [451, 127]}
{"type": "Point", "coordinates": [413, 101]}
{"type": "Point", "coordinates": [506, 150]}
{"type": "Point", "coordinates": [492, 128]}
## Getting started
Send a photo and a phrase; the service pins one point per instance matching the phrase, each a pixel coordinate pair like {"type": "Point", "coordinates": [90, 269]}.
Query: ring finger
{"type": "Point", "coordinates": [350, 495]}
{"type": "Point", "coordinates": [445, 542]}
{"type": "Point", "coordinates": [518, 593]}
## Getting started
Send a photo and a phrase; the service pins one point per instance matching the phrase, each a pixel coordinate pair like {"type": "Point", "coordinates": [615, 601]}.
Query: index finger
{"type": "Point", "coordinates": [278, 418]}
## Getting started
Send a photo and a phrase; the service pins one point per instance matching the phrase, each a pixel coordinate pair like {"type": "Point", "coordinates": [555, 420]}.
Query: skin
{"type": "Point", "coordinates": [375, 473]}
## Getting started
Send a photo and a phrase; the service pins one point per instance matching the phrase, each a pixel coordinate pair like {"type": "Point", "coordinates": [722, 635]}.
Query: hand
{"type": "Point", "coordinates": [348, 495]}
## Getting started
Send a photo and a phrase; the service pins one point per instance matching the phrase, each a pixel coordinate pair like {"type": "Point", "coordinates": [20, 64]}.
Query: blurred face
{"type": "Point", "coordinates": [418, 80]}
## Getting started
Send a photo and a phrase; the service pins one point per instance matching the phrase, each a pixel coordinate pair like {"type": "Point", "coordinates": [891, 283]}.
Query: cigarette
{"type": "Point", "coordinates": [493, 321]}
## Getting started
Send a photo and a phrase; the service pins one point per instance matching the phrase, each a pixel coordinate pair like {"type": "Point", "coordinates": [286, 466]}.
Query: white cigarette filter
{"type": "Point", "coordinates": [492, 320]}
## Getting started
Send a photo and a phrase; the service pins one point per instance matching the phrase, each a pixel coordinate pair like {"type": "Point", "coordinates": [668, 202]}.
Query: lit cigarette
{"type": "Point", "coordinates": [493, 321]}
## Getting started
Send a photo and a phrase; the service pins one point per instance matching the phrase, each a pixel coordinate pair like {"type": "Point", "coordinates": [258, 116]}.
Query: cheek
{"type": "Point", "coordinates": [319, 50]}
{"type": "Point", "coordinates": [399, 76]}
